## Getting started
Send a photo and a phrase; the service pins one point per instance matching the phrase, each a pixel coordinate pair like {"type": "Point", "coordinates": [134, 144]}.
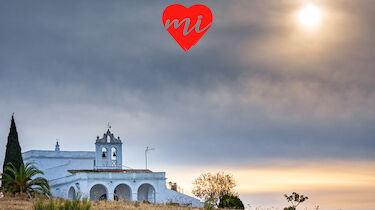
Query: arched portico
{"type": "Point", "coordinates": [71, 193]}
{"type": "Point", "coordinates": [146, 192]}
{"type": "Point", "coordinates": [98, 192]}
{"type": "Point", "coordinates": [122, 192]}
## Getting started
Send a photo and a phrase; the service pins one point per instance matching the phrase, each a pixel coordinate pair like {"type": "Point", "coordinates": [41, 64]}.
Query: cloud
{"type": "Point", "coordinates": [256, 96]}
{"type": "Point", "coordinates": [255, 87]}
{"type": "Point", "coordinates": [335, 184]}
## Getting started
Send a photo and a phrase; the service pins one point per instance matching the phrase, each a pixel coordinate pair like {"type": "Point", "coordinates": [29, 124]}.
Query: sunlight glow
{"type": "Point", "coordinates": [310, 16]}
{"type": "Point", "coordinates": [346, 184]}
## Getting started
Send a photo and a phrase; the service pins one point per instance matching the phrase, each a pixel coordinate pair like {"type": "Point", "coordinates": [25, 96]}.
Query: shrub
{"type": "Point", "coordinates": [295, 199]}
{"type": "Point", "coordinates": [210, 203]}
{"type": "Point", "coordinates": [171, 203]}
{"type": "Point", "coordinates": [62, 204]}
{"type": "Point", "coordinates": [231, 202]}
{"type": "Point", "coordinates": [38, 205]}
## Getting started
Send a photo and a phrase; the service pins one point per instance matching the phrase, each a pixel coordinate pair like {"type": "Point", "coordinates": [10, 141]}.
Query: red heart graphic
{"type": "Point", "coordinates": [187, 25]}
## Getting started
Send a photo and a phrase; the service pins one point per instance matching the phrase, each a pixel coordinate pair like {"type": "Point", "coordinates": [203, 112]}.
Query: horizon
{"type": "Point", "coordinates": [282, 102]}
{"type": "Point", "coordinates": [259, 192]}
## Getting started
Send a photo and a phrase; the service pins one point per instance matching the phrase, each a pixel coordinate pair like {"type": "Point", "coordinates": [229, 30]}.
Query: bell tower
{"type": "Point", "coordinates": [108, 152]}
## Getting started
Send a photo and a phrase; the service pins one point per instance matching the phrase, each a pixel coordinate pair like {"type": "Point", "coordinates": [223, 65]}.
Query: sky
{"type": "Point", "coordinates": [280, 106]}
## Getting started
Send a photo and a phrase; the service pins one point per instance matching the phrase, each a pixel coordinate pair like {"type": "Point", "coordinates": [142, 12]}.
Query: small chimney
{"type": "Point", "coordinates": [173, 186]}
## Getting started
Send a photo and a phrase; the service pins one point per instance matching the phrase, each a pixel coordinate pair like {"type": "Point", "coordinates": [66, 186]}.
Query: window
{"type": "Point", "coordinates": [104, 152]}
{"type": "Point", "coordinates": [114, 153]}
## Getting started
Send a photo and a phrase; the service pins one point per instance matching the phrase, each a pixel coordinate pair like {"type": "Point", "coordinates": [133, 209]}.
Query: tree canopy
{"type": "Point", "coordinates": [231, 202]}
{"type": "Point", "coordinates": [21, 180]}
{"type": "Point", "coordinates": [295, 199]}
{"type": "Point", "coordinates": [13, 150]}
{"type": "Point", "coordinates": [214, 185]}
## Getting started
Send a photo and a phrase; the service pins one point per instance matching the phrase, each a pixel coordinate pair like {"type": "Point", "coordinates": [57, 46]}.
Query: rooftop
{"type": "Point", "coordinates": [111, 170]}
{"type": "Point", "coordinates": [108, 138]}
{"type": "Point", "coordinates": [58, 154]}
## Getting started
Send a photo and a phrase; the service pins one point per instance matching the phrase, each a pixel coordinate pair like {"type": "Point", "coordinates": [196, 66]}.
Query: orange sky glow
{"type": "Point", "coordinates": [329, 184]}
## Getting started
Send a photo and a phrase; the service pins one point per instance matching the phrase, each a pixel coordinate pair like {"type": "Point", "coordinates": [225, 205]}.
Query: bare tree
{"type": "Point", "coordinates": [214, 185]}
{"type": "Point", "coordinates": [295, 199]}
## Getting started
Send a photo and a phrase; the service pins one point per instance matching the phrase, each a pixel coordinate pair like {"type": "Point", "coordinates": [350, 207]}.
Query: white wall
{"type": "Point", "coordinates": [55, 164]}
{"type": "Point", "coordinates": [182, 199]}
{"type": "Point", "coordinates": [85, 181]}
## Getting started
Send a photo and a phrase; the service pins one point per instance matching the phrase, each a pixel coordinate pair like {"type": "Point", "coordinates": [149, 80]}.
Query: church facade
{"type": "Point", "coordinates": [99, 175]}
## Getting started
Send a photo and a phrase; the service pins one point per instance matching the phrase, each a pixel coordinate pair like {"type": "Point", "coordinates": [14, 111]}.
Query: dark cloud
{"type": "Point", "coordinates": [254, 87]}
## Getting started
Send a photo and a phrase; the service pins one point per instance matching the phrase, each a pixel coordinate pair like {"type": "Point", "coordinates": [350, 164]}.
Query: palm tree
{"type": "Point", "coordinates": [21, 180]}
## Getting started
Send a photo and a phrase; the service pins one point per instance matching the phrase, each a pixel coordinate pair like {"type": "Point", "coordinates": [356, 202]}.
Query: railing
{"type": "Point", "coordinates": [114, 163]}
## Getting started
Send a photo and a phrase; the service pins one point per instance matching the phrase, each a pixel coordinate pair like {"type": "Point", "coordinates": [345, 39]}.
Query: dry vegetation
{"type": "Point", "coordinates": [15, 203]}
{"type": "Point", "coordinates": [122, 205]}
{"type": "Point", "coordinates": [25, 203]}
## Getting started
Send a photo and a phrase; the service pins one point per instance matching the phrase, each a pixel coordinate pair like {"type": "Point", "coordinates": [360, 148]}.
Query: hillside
{"type": "Point", "coordinates": [24, 203]}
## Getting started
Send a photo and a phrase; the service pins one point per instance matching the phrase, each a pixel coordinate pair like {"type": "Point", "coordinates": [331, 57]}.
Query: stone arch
{"type": "Point", "coordinates": [146, 192]}
{"type": "Point", "coordinates": [98, 192]}
{"type": "Point", "coordinates": [71, 193]}
{"type": "Point", "coordinates": [122, 192]}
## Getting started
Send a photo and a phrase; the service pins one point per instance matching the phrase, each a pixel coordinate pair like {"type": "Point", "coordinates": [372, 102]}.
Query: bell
{"type": "Point", "coordinates": [103, 155]}
{"type": "Point", "coordinates": [114, 154]}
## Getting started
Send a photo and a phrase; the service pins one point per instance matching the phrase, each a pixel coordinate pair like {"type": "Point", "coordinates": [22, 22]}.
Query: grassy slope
{"type": "Point", "coordinates": [24, 203]}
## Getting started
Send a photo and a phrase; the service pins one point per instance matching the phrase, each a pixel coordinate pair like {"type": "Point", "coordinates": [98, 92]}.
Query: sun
{"type": "Point", "coordinates": [309, 16]}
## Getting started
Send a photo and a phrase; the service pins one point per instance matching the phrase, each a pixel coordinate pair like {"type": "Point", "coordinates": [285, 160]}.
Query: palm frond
{"type": "Point", "coordinates": [21, 180]}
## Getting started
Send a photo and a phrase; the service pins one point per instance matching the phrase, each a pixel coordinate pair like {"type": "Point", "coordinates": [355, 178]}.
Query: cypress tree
{"type": "Point", "coordinates": [13, 149]}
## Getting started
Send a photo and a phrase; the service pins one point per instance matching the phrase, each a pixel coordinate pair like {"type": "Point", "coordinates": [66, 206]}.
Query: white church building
{"type": "Point", "coordinates": [99, 175]}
